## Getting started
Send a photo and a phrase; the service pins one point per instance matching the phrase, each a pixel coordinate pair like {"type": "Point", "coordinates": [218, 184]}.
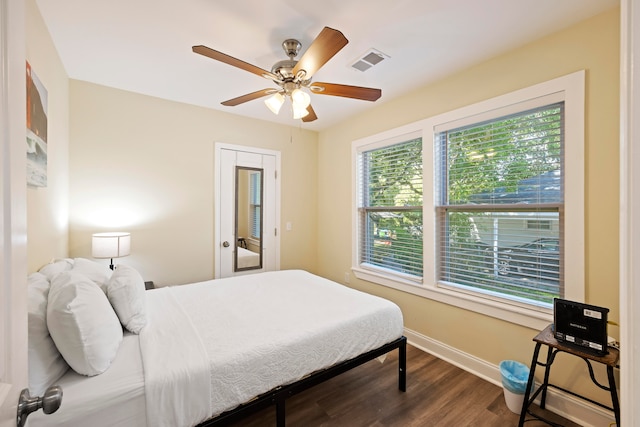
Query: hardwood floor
{"type": "Point", "coordinates": [438, 394]}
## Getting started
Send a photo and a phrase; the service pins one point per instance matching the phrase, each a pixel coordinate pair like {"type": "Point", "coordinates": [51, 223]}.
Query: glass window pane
{"type": "Point", "coordinates": [515, 159]}
{"type": "Point", "coordinates": [390, 206]}
{"type": "Point", "coordinates": [392, 176]}
{"type": "Point", "coordinates": [393, 240]}
{"type": "Point", "coordinates": [500, 191]}
{"type": "Point", "coordinates": [495, 252]}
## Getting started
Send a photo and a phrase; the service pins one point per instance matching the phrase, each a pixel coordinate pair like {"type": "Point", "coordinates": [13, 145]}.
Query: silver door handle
{"type": "Point", "coordinates": [225, 244]}
{"type": "Point", "coordinates": [49, 403]}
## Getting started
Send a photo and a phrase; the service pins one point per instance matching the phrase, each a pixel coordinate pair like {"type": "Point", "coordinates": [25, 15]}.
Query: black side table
{"type": "Point", "coordinates": [547, 338]}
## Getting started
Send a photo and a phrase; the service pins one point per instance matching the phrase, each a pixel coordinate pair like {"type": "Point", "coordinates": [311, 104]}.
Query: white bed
{"type": "Point", "coordinates": [247, 258]}
{"type": "Point", "coordinates": [211, 346]}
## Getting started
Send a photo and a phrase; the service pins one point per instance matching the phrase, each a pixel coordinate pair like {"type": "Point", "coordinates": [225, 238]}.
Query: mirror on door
{"type": "Point", "coordinates": [248, 245]}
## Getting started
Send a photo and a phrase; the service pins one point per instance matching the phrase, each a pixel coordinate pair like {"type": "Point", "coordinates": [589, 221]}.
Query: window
{"type": "Point", "coordinates": [255, 199]}
{"type": "Point", "coordinates": [501, 228]}
{"type": "Point", "coordinates": [492, 178]}
{"type": "Point", "coordinates": [536, 224]}
{"type": "Point", "coordinates": [390, 208]}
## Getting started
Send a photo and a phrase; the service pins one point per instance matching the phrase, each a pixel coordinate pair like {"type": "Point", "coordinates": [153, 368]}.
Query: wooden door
{"type": "Point", "coordinates": [228, 158]}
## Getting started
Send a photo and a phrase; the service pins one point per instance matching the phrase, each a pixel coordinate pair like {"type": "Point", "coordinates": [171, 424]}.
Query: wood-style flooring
{"type": "Point", "coordinates": [438, 394]}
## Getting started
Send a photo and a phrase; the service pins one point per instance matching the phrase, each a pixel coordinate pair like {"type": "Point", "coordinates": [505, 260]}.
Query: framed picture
{"type": "Point", "coordinates": [36, 131]}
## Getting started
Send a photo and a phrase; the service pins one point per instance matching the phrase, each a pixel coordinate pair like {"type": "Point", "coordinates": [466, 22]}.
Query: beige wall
{"type": "Point", "coordinates": [592, 45]}
{"type": "Point", "coordinates": [47, 208]}
{"type": "Point", "coordinates": [145, 165]}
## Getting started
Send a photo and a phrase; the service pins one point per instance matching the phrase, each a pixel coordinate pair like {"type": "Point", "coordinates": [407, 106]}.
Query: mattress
{"type": "Point", "coordinates": [117, 395]}
{"type": "Point", "coordinates": [247, 258]}
{"type": "Point", "coordinates": [214, 345]}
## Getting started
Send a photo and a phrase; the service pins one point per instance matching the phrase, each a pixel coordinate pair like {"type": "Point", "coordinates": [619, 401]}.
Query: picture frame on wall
{"type": "Point", "coordinates": [36, 130]}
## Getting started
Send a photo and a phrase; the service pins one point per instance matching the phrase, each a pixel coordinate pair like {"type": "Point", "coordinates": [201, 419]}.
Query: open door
{"type": "Point", "coordinates": [247, 210]}
{"type": "Point", "coordinates": [13, 252]}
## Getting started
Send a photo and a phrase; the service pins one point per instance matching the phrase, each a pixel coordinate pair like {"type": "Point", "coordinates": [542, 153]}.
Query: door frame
{"type": "Point", "coordinates": [13, 209]}
{"type": "Point", "coordinates": [629, 211]}
{"type": "Point", "coordinates": [217, 241]}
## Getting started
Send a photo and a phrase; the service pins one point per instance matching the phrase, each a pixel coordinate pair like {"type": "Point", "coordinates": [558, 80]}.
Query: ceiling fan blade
{"type": "Point", "coordinates": [248, 97]}
{"type": "Point", "coordinates": [223, 57]}
{"type": "Point", "coordinates": [322, 49]}
{"type": "Point", "coordinates": [355, 92]}
{"type": "Point", "coordinates": [311, 116]}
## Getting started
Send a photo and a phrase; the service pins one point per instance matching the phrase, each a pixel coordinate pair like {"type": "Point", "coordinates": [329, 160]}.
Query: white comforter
{"type": "Point", "coordinates": [247, 258]}
{"type": "Point", "coordinates": [213, 345]}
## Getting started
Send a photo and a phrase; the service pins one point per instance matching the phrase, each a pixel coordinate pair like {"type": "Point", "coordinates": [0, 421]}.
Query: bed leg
{"type": "Point", "coordinates": [280, 412]}
{"type": "Point", "coordinates": [402, 365]}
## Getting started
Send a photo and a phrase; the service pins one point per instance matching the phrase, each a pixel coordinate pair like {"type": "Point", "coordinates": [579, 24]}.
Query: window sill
{"type": "Point", "coordinates": [531, 317]}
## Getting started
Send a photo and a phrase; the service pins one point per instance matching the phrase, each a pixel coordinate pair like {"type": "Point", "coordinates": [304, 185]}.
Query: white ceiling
{"type": "Point", "coordinates": [144, 46]}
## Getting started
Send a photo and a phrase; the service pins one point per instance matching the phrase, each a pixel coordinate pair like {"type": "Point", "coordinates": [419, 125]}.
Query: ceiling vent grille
{"type": "Point", "coordinates": [369, 59]}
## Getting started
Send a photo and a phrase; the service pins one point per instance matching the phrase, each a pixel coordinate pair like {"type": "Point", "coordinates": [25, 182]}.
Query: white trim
{"type": "Point", "coordinates": [629, 199]}
{"type": "Point", "coordinates": [563, 404]}
{"type": "Point", "coordinates": [477, 113]}
{"type": "Point", "coordinates": [5, 177]}
{"type": "Point", "coordinates": [569, 88]}
{"type": "Point", "coordinates": [13, 209]}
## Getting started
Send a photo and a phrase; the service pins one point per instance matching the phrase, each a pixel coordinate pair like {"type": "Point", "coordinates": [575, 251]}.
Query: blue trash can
{"type": "Point", "coordinates": [515, 376]}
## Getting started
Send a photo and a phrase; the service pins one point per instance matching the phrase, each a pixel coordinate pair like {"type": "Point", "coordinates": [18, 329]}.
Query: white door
{"type": "Point", "coordinates": [228, 159]}
{"type": "Point", "coordinates": [13, 253]}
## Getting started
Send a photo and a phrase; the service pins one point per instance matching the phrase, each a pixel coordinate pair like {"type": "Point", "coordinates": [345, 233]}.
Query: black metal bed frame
{"type": "Point", "coordinates": [278, 395]}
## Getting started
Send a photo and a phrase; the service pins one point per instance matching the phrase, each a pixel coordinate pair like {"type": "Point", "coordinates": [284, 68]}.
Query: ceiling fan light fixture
{"type": "Point", "coordinates": [300, 99]}
{"type": "Point", "coordinates": [274, 103]}
{"type": "Point", "coordinates": [299, 113]}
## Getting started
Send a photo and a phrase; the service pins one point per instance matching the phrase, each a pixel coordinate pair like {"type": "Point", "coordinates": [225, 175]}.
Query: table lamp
{"type": "Point", "coordinates": [110, 245]}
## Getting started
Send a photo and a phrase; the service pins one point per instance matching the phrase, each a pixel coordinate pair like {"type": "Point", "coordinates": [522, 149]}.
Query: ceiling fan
{"type": "Point", "coordinates": [292, 76]}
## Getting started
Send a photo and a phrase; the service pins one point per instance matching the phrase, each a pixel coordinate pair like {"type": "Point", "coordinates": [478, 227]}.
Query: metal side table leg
{"type": "Point", "coordinates": [530, 381]}
{"type": "Point", "coordinates": [614, 394]}
{"type": "Point", "coordinates": [545, 383]}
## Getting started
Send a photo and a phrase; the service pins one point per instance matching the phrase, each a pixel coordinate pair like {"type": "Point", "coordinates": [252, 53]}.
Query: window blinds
{"type": "Point", "coordinates": [255, 202]}
{"type": "Point", "coordinates": [390, 208]}
{"type": "Point", "coordinates": [499, 186]}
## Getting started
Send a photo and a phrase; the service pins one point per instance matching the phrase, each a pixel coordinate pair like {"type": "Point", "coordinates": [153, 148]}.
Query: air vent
{"type": "Point", "coordinates": [369, 59]}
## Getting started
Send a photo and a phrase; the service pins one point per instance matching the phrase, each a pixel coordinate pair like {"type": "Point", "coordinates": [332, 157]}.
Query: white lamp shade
{"type": "Point", "coordinates": [299, 113]}
{"type": "Point", "coordinates": [300, 99]}
{"type": "Point", "coordinates": [110, 245]}
{"type": "Point", "coordinates": [275, 102]}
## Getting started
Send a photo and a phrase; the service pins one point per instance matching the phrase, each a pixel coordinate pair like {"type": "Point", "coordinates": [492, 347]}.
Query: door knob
{"type": "Point", "coordinates": [49, 403]}
{"type": "Point", "coordinates": [225, 244]}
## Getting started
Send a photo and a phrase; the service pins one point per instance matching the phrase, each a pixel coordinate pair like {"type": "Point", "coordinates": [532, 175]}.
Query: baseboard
{"type": "Point", "coordinates": [569, 407]}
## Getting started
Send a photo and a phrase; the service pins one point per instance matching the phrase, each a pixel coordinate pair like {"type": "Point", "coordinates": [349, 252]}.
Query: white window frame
{"type": "Point", "coordinates": [570, 89]}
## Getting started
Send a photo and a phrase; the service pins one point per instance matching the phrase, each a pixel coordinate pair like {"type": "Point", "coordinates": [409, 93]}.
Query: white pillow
{"type": "Point", "coordinates": [82, 323]}
{"type": "Point", "coordinates": [54, 268]}
{"type": "Point", "coordinates": [46, 364]}
{"type": "Point", "coordinates": [98, 273]}
{"type": "Point", "coordinates": [126, 293]}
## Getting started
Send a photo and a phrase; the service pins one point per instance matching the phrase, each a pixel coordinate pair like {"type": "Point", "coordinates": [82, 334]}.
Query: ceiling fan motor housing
{"type": "Point", "coordinates": [291, 47]}
{"type": "Point", "coordinates": [284, 68]}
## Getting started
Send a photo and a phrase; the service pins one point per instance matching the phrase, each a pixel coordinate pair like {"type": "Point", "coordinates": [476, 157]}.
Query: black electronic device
{"type": "Point", "coordinates": [580, 324]}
